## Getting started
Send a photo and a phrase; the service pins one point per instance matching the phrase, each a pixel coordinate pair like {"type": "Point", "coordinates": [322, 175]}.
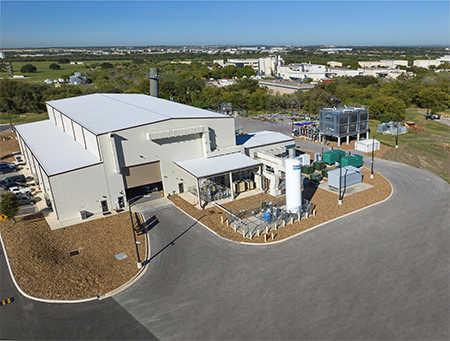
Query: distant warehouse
{"type": "Point", "coordinates": [97, 152]}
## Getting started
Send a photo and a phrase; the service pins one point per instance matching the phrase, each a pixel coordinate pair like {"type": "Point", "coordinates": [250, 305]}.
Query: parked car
{"type": "Point", "coordinates": [19, 159]}
{"type": "Point", "coordinates": [16, 178]}
{"type": "Point", "coordinates": [6, 167]}
{"type": "Point", "coordinates": [19, 190]}
{"type": "Point", "coordinates": [8, 185]}
{"type": "Point", "coordinates": [25, 199]}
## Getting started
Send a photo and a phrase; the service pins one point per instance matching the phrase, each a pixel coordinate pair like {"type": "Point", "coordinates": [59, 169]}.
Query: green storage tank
{"type": "Point", "coordinates": [333, 156]}
{"type": "Point", "coordinates": [352, 160]}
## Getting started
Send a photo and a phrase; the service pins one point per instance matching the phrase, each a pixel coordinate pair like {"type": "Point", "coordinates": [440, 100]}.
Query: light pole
{"type": "Point", "coordinates": [373, 155]}
{"type": "Point", "coordinates": [340, 180]}
{"type": "Point", "coordinates": [130, 203]}
{"type": "Point", "coordinates": [396, 136]}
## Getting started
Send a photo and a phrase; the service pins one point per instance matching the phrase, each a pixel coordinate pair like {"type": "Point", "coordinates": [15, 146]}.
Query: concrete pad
{"type": "Point", "coordinates": [349, 190]}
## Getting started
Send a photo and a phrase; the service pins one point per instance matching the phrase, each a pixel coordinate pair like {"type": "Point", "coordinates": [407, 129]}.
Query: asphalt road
{"type": "Point", "coordinates": [4, 127]}
{"type": "Point", "coordinates": [31, 320]}
{"type": "Point", "coordinates": [380, 274]}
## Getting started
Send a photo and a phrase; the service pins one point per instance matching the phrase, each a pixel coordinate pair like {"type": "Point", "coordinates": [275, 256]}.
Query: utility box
{"type": "Point", "coordinates": [350, 176]}
{"type": "Point", "coordinates": [352, 160]}
{"type": "Point", "coordinates": [366, 146]}
{"type": "Point", "coordinates": [333, 156]}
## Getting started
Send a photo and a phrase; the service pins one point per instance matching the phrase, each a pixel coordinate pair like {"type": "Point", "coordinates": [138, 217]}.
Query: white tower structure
{"type": "Point", "coordinates": [293, 185]}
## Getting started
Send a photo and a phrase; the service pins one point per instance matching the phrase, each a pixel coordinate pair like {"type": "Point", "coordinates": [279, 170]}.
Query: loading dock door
{"type": "Point", "coordinates": [143, 179]}
{"type": "Point", "coordinates": [141, 175]}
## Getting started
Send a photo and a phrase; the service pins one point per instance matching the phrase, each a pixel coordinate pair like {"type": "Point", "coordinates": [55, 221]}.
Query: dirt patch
{"type": "Point", "coordinates": [42, 265]}
{"type": "Point", "coordinates": [327, 208]}
{"type": "Point", "coordinates": [8, 145]}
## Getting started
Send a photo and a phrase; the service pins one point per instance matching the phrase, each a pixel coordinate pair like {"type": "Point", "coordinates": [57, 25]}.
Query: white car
{"type": "Point", "coordinates": [19, 190]}
{"type": "Point", "coordinates": [19, 159]}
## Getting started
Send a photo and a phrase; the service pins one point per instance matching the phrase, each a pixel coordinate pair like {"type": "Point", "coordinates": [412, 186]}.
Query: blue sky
{"type": "Point", "coordinates": [99, 23]}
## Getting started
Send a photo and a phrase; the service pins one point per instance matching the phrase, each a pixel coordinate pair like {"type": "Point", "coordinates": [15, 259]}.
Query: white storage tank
{"type": "Point", "coordinates": [293, 185]}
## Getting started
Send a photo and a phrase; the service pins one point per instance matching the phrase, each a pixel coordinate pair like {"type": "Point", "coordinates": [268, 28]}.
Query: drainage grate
{"type": "Point", "coordinates": [74, 253]}
{"type": "Point", "coordinates": [121, 256]}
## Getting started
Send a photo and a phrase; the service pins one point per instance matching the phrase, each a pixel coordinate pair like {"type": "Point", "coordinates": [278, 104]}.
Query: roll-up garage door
{"type": "Point", "coordinates": [144, 174]}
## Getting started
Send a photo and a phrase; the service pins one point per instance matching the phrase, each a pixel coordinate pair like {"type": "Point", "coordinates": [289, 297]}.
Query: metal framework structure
{"type": "Point", "coordinates": [344, 122]}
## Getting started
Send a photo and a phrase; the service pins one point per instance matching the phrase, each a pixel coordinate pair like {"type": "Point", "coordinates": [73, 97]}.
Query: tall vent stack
{"type": "Point", "coordinates": [154, 82]}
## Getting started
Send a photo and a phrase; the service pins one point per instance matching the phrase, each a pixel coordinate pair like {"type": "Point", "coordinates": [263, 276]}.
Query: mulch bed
{"type": "Point", "coordinates": [326, 206]}
{"type": "Point", "coordinates": [42, 265]}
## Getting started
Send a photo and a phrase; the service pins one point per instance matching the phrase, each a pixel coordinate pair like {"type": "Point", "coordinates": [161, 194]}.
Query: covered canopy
{"type": "Point", "coordinates": [205, 167]}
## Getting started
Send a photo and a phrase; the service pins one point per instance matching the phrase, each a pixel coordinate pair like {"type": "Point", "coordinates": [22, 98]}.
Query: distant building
{"type": "Point", "coordinates": [336, 49]}
{"type": "Point", "coordinates": [265, 66]}
{"type": "Point", "coordinates": [391, 63]}
{"type": "Point", "coordinates": [2, 55]}
{"type": "Point", "coordinates": [284, 87]}
{"type": "Point", "coordinates": [77, 78]}
{"type": "Point", "coordinates": [388, 63]}
{"type": "Point", "coordinates": [334, 64]}
{"type": "Point", "coordinates": [426, 63]}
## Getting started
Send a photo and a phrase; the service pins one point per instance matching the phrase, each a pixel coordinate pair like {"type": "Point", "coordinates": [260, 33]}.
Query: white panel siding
{"type": "Point", "coordinates": [79, 190]}
{"type": "Point", "coordinates": [67, 125]}
{"type": "Point", "coordinates": [78, 133]}
{"type": "Point", "coordinates": [51, 116]}
{"type": "Point", "coordinates": [58, 120]}
{"type": "Point", "coordinates": [134, 148]}
{"type": "Point", "coordinates": [91, 142]}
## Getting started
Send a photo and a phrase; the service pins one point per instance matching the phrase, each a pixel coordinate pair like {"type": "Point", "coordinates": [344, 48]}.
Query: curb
{"type": "Point", "coordinates": [297, 234]}
{"type": "Point", "coordinates": [136, 277]}
{"type": "Point", "coordinates": [84, 300]}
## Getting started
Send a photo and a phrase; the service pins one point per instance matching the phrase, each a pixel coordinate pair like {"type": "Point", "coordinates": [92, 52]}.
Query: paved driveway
{"type": "Point", "coordinates": [381, 274]}
{"type": "Point", "coordinates": [378, 274]}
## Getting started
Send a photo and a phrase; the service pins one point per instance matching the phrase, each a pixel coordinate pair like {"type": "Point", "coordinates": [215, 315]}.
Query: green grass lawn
{"type": "Point", "coordinates": [43, 72]}
{"type": "Point", "coordinates": [23, 118]}
{"type": "Point", "coordinates": [427, 149]}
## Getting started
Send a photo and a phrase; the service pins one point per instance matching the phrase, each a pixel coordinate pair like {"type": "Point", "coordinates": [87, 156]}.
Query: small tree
{"type": "Point", "coordinates": [9, 205]}
{"type": "Point", "coordinates": [54, 66]}
{"type": "Point", "coordinates": [28, 68]}
{"type": "Point", "coordinates": [64, 61]}
{"type": "Point", "coordinates": [106, 65]}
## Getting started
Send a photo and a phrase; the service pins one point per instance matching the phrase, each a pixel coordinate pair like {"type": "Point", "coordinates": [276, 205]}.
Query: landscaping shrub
{"type": "Point", "coordinates": [307, 169]}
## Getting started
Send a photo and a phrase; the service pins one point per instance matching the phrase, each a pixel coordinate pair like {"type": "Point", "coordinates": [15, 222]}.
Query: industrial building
{"type": "Point", "coordinates": [344, 122]}
{"type": "Point", "coordinates": [97, 152]}
{"type": "Point", "coordinates": [264, 66]}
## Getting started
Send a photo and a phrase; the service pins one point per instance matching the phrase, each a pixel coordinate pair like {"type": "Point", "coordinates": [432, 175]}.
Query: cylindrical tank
{"type": "Point", "coordinates": [293, 185]}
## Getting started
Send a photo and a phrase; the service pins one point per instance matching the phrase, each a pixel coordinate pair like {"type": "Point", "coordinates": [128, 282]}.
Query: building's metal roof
{"type": "Point", "coordinates": [56, 151]}
{"type": "Point", "coordinates": [103, 113]}
{"type": "Point", "coordinates": [204, 167]}
{"type": "Point", "coordinates": [261, 138]}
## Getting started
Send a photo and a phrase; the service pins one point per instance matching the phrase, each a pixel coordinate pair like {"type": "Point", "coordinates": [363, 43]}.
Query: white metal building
{"type": "Point", "coordinates": [98, 151]}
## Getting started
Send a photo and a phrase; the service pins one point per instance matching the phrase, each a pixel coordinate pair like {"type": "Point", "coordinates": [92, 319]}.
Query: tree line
{"type": "Point", "coordinates": [189, 84]}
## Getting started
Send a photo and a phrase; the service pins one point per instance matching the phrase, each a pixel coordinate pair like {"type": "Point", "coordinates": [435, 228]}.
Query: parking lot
{"type": "Point", "coordinates": [23, 209]}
